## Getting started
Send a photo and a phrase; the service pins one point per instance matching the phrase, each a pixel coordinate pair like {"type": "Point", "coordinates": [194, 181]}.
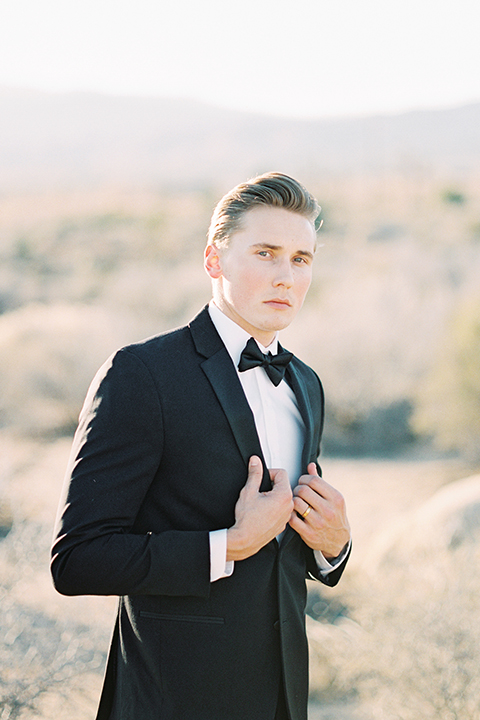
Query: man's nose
{"type": "Point", "coordinates": [284, 275]}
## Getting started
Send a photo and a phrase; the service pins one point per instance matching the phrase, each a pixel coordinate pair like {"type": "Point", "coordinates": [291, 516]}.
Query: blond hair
{"type": "Point", "coordinates": [272, 189]}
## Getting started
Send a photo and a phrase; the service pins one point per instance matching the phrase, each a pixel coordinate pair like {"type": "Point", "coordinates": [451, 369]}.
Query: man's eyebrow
{"type": "Point", "coordinates": [270, 246]}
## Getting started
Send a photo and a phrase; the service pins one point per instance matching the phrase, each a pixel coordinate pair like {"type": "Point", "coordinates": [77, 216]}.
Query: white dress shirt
{"type": "Point", "coordinates": [279, 425]}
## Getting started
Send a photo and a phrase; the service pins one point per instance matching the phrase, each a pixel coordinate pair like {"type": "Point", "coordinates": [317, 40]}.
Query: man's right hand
{"type": "Point", "coordinates": [259, 516]}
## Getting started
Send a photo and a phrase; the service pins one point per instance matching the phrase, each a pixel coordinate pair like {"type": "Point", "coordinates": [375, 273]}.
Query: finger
{"type": "Point", "coordinates": [302, 508]}
{"type": "Point", "coordinates": [301, 502]}
{"type": "Point", "coordinates": [255, 472]}
{"type": "Point", "coordinates": [319, 485]}
{"type": "Point", "coordinates": [310, 496]}
{"type": "Point", "coordinates": [281, 483]}
{"type": "Point", "coordinates": [298, 524]}
{"type": "Point", "coordinates": [278, 476]}
{"type": "Point", "coordinates": [312, 469]}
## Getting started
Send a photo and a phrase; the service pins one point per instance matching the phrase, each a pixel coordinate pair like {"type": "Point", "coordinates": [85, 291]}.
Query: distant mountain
{"type": "Point", "coordinates": [84, 139]}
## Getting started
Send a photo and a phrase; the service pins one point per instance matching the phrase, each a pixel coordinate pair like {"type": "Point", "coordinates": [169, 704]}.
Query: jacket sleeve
{"type": "Point", "coordinates": [116, 452]}
{"type": "Point", "coordinates": [313, 571]}
{"type": "Point", "coordinates": [331, 578]}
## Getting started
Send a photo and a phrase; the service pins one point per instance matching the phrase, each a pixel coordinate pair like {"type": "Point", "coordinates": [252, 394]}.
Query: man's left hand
{"type": "Point", "coordinates": [324, 526]}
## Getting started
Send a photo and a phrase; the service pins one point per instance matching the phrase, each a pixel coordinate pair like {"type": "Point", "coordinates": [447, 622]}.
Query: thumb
{"type": "Point", "coordinates": [312, 469]}
{"type": "Point", "coordinates": [255, 471]}
{"type": "Point", "coordinates": [279, 477]}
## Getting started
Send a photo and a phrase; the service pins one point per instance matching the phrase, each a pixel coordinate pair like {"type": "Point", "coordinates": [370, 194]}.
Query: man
{"type": "Point", "coordinates": [179, 496]}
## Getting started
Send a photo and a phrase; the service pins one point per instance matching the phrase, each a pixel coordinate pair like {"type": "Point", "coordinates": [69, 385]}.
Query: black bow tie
{"type": "Point", "coordinates": [274, 365]}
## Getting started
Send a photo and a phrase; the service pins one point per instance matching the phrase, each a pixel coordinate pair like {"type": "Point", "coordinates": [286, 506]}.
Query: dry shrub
{"type": "Point", "coordinates": [48, 356]}
{"type": "Point", "coordinates": [40, 657]}
{"type": "Point", "coordinates": [448, 401]}
{"type": "Point", "coordinates": [52, 649]}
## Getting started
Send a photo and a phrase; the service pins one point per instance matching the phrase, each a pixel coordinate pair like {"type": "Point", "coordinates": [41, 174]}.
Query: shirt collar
{"type": "Point", "coordinates": [233, 336]}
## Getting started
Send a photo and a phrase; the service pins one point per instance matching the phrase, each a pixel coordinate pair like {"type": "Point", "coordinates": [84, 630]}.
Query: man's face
{"type": "Point", "coordinates": [262, 277]}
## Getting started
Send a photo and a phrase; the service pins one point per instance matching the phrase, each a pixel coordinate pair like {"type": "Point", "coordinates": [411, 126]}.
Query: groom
{"type": "Point", "coordinates": [193, 491]}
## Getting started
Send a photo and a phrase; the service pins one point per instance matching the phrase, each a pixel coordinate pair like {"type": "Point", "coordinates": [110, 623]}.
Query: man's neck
{"type": "Point", "coordinates": [264, 337]}
{"type": "Point", "coordinates": [233, 335]}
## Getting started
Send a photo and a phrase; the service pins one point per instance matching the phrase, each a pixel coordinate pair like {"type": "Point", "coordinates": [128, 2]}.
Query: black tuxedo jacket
{"type": "Point", "coordinates": [158, 461]}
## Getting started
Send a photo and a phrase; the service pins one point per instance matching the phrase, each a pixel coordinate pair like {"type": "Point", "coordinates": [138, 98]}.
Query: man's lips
{"type": "Point", "coordinates": [280, 303]}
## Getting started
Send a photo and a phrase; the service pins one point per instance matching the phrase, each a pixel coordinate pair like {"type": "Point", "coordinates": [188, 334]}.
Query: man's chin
{"type": "Point", "coordinates": [277, 325]}
{"type": "Point", "coordinates": [280, 319]}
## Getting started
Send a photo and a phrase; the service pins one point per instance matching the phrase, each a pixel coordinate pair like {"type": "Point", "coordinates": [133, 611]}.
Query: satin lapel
{"type": "Point", "coordinates": [221, 373]}
{"type": "Point", "coordinates": [299, 387]}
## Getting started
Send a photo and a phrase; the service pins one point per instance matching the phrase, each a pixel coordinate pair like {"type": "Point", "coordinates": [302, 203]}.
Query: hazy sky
{"type": "Point", "coordinates": [292, 57]}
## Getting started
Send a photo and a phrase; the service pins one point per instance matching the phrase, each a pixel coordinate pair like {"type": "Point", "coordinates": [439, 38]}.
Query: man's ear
{"type": "Point", "coordinates": [211, 262]}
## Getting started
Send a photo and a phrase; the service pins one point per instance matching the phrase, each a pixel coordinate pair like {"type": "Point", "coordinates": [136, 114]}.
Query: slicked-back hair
{"type": "Point", "coordinates": [272, 189]}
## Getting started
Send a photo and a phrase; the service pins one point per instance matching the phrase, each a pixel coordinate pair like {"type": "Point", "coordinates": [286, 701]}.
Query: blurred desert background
{"type": "Point", "coordinates": [104, 206]}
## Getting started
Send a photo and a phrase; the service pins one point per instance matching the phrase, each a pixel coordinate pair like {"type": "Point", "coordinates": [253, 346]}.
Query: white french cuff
{"type": "Point", "coordinates": [219, 567]}
{"type": "Point", "coordinates": [326, 567]}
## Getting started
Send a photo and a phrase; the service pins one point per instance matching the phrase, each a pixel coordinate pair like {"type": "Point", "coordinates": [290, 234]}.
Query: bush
{"type": "Point", "coordinates": [48, 357]}
{"type": "Point", "coordinates": [448, 400]}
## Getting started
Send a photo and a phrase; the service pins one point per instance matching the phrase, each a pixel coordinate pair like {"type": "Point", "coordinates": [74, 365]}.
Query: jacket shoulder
{"type": "Point", "coordinates": [162, 343]}
{"type": "Point", "coordinates": [191, 336]}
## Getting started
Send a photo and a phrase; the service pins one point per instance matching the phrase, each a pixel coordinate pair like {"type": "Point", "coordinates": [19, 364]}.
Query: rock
{"type": "Point", "coordinates": [446, 523]}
